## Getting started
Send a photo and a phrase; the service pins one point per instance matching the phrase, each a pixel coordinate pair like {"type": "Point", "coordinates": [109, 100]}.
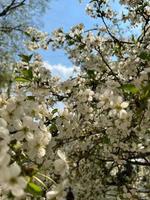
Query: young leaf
{"type": "Point", "coordinates": [26, 58]}
{"type": "Point", "coordinates": [27, 73]}
{"type": "Point", "coordinates": [145, 56]}
{"type": "Point", "coordinates": [54, 111]}
{"type": "Point", "coordinates": [130, 88]}
{"type": "Point", "coordinates": [34, 189]}
{"type": "Point", "coordinates": [21, 79]}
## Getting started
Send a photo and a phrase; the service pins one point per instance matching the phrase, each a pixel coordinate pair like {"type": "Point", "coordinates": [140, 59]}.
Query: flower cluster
{"type": "Point", "coordinates": [104, 127]}
{"type": "Point", "coordinates": [38, 39]}
{"type": "Point", "coordinates": [26, 119]}
{"type": "Point", "coordinates": [97, 147]}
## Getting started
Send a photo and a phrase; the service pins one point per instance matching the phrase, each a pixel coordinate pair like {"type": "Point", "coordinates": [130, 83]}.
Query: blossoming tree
{"type": "Point", "coordinates": [98, 146]}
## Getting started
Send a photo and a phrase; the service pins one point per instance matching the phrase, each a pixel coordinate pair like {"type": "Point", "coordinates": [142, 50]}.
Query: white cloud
{"type": "Point", "coordinates": [62, 71]}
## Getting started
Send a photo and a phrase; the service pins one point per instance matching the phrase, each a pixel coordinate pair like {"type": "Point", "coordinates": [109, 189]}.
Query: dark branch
{"type": "Point", "coordinates": [12, 6]}
{"type": "Point", "coordinates": [105, 62]}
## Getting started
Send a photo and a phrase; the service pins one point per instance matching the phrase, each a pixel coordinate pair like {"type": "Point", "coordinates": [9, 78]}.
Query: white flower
{"type": "Point", "coordinates": [28, 122]}
{"type": "Point", "coordinates": [11, 104]}
{"type": "Point", "coordinates": [119, 106]}
{"type": "Point", "coordinates": [4, 159]}
{"type": "Point", "coordinates": [41, 152]}
{"type": "Point", "coordinates": [38, 144]}
{"type": "Point", "coordinates": [89, 10]}
{"type": "Point", "coordinates": [58, 193]}
{"type": "Point", "coordinates": [12, 181]}
{"type": "Point", "coordinates": [3, 123]}
{"type": "Point", "coordinates": [122, 114]}
{"type": "Point", "coordinates": [4, 135]}
{"type": "Point", "coordinates": [25, 128]}
{"type": "Point", "coordinates": [86, 95]}
{"type": "Point", "coordinates": [61, 165]}
{"type": "Point", "coordinates": [105, 98]}
{"type": "Point", "coordinates": [147, 9]}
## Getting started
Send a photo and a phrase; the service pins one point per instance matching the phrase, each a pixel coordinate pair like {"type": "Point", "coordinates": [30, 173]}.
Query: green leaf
{"type": "Point", "coordinates": [81, 46]}
{"type": "Point", "coordinates": [71, 42]}
{"type": "Point", "coordinates": [145, 55]}
{"type": "Point", "coordinates": [117, 48]}
{"type": "Point", "coordinates": [53, 128]}
{"type": "Point", "coordinates": [106, 140]}
{"type": "Point", "coordinates": [34, 189]}
{"type": "Point", "coordinates": [133, 39]}
{"type": "Point", "coordinates": [91, 73]}
{"type": "Point", "coordinates": [22, 79]}
{"type": "Point", "coordinates": [145, 92]}
{"type": "Point", "coordinates": [54, 111]}
{"type": "Point", "coordinates": [130, 88]}
{"type": "Point", "coordinates": [31, 97]}
{"type": "Point", "coordinates": [27, 34]}
{"type": "Point", "coordinates": [68, 37]}
{"type": "Point", "coordinates": [26, 58]}
{"type": "Point", "coordinates": [27, 73]}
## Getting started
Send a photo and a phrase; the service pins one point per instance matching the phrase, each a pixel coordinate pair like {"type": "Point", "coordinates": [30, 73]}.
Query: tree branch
{"type": "Point", "coordinates": [113, 73]}
{"type": "Point", "coordinates": [13, 5]}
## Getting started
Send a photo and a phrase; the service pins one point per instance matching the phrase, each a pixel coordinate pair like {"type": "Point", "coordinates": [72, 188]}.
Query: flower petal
{"type": "Point", "coordinates": [125, 104]}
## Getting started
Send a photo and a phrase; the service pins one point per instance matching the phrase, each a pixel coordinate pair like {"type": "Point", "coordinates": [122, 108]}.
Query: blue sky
{"type": "Point", "coordinates": [63, 13]}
